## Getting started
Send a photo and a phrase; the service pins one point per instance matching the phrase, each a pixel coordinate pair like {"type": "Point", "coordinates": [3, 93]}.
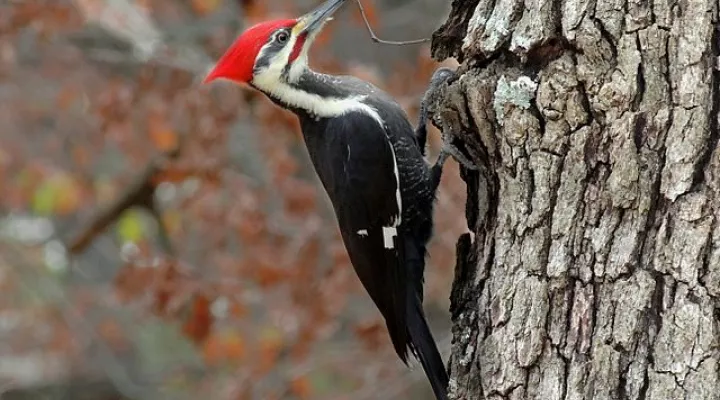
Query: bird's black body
{"type": "Point", "coordinates": [355, 156]}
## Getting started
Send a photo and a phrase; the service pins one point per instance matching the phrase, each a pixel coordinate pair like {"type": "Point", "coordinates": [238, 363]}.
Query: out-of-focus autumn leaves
{"type": "Point", "coordinates": [269, 347]}
{"type": "Point", "coordinates": [255, 10]}
{"type": "Point", "coordinates": [224, 347]}
{"type": "Point", "coordinates": [199, 323]}
{"type": "Point", "coordinates": [371, 333]}
{"type": "Point", "coordinates": [113, 334]}
{"type": "Point", "coordinates": [58, 193]}
{"type": "Point", "coordinates": [301, 387]}
{"type": "Point", "coordinates": [204, 7]}
{"type": "Point", "coordinates": [162, 135]}
{"type": "Point", "coordinates": [259, 284]}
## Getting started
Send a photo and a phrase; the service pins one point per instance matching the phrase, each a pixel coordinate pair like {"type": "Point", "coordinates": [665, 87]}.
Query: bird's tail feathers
{"type": "Point", "coordinates": [424, 347]}
{"type": "Point", "coordinates": [395, 312]}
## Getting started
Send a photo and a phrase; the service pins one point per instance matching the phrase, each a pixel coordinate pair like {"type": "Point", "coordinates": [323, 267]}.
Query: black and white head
{"type": "Point", "coordinates": [273, 54]}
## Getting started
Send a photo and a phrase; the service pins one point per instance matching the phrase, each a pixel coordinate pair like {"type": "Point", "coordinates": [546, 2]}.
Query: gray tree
{"type": "Point", "coordinates": [593, 266]}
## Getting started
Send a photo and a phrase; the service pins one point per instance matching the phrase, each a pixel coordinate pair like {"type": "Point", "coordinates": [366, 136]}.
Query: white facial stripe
{"type": "Point", "coordinates": [313, 103]}
{"type": "Point", "coordinates": [270, 79]}
{"type": "Point", "coordinates": [301, 63]}
{"type": "Point", "coordinates": [278, 61]}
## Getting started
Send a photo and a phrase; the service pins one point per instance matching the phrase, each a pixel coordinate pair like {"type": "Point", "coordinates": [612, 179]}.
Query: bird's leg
{"type": "Point", "coordinates": [448, 149]}
{"type": "Point", "coordinates": [436, 171]}
{"type": "Point", "coordinates": [440, 76]}
{"type": "Point", "coordinates": [421, 130]}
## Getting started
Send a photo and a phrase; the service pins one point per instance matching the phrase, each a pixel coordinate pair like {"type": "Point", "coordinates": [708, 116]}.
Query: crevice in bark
{"type": "Point", "coordinates": [658, 204]}
{"type": "Point", "coordinates": [564, 388]}
{"type": "Point", "coordinates": [607, 36]}
{"type": "Point", "coordinates": [639, 130]}
{"type": "Point", "coordinates": [640, 79]}
{"type": "Point", "coordinates": [608, 250]}
{"type": "Point", "coordinates": [622, 381]}
{"type": "Point", "coordinates": [657, 301]}
{"type": "Point", "coordinates": [705, 158]}
{"type": "Point", "coordinates": [570, 288]}
{"type": "Point", "coordinates": [475, 147]}
{"type": "Point", "coordinates": [465, 269]}
{"type": "Point", "coordinates": [477, 63]}
{"type": "Point", "coordinates": [596, 306]}
{"type": "Point", "coordinates": [642, 394]}
{"type": "Point", "coordinates": [592, 148]}
{"type": "Point", "coordinates": [472, 180]}
{"type": "Point", "coordinates": [483, 280]}
{"type": "Point", "coordinates": [540, 56]}
{"type": "Point", "coordinates": [707, 250]}
{"type": "Point", "coordinates": [447, 40]}
{"type": "Point", "coordinates": [654, 315]}
{"type": "Point", "coordinates": [667, 75]}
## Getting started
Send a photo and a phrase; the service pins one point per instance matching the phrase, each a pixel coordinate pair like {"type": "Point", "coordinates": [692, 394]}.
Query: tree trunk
{"type": "Point", "coordinates": [593, 267]}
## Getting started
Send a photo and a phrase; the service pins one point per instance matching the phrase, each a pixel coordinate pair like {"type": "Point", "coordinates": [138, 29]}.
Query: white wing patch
{"type": "Point", "coordinates": [398, 197]}
{"type": "Point", "coordinates": [389, 233]}
{"type": "Point", "coordinates": [362, 232]}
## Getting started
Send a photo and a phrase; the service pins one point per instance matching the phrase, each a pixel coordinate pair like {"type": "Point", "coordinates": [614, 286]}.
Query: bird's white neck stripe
{"type": "Point", "coordinates": [315, 104]}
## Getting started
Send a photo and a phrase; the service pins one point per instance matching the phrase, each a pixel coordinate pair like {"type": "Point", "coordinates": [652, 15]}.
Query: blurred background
{"type": "Point", "coordinates": [165, 240]}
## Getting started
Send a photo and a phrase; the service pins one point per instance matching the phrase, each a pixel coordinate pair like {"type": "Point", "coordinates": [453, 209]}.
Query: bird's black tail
{"type": "Point", "coordinates": [424, 346]}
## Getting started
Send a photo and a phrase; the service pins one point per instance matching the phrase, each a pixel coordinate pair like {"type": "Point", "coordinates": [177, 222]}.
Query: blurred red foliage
{"type": "Point", "coordinates": [254, 276]}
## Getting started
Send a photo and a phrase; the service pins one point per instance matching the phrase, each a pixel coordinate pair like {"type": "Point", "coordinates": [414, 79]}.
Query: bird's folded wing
{"type": "Point", "coordinates": [369, 208]}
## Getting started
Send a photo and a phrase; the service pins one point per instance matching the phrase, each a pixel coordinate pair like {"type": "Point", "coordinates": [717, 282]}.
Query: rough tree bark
{"type": "Point", "coordinates": [593, 267]}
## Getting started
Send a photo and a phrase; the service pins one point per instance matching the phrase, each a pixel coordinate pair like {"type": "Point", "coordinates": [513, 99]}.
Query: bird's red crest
{"type": "Point", "coordinates": [238, 61]}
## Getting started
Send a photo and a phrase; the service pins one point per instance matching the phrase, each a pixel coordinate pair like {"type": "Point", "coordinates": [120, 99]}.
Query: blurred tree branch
{"type": "Point", "coordinates": [121, 33]}
{"type": "Point", "coordinates": [139, 193]}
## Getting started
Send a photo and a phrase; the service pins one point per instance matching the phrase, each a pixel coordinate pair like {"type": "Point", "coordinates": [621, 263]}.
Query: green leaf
{"type": "Point", "coordinates": [130, 226]}
{"type": "Point", "coordinates": [44, 198]}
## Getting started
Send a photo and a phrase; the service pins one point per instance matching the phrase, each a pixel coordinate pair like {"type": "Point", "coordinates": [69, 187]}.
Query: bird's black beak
{"type": "Point", "coordinates": [311, 22]}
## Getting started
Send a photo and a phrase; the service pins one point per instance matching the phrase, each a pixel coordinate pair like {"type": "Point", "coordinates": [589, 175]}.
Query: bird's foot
{"type": "Point", "coordinates": [449, 149]}
{"type": "Point", "coordinates": [440, 76]}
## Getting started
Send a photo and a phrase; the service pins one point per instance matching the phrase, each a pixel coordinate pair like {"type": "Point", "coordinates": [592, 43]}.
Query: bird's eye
{"type": "Point", "coordinates": [282, 37]}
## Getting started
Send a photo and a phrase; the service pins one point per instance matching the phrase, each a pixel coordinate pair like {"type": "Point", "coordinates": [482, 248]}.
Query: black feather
{"type": "Point", "coordinates": [425, 349]}
{"type": "Point", "coordinates": [421, 339]}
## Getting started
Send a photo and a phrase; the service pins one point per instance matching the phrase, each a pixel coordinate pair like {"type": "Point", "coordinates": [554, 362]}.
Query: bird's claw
{"type": "Point", "coordinates": [448, 149]}
{"type": "Point", "coordinates": [440, 76]}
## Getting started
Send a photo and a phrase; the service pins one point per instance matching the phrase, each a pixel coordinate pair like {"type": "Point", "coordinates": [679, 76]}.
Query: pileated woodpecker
{"type": "Point", "coordinates": [370, 162]}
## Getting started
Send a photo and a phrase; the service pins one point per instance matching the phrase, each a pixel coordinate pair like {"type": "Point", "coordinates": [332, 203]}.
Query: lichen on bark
{"type": "Point", "coordinates": [593, 268]}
